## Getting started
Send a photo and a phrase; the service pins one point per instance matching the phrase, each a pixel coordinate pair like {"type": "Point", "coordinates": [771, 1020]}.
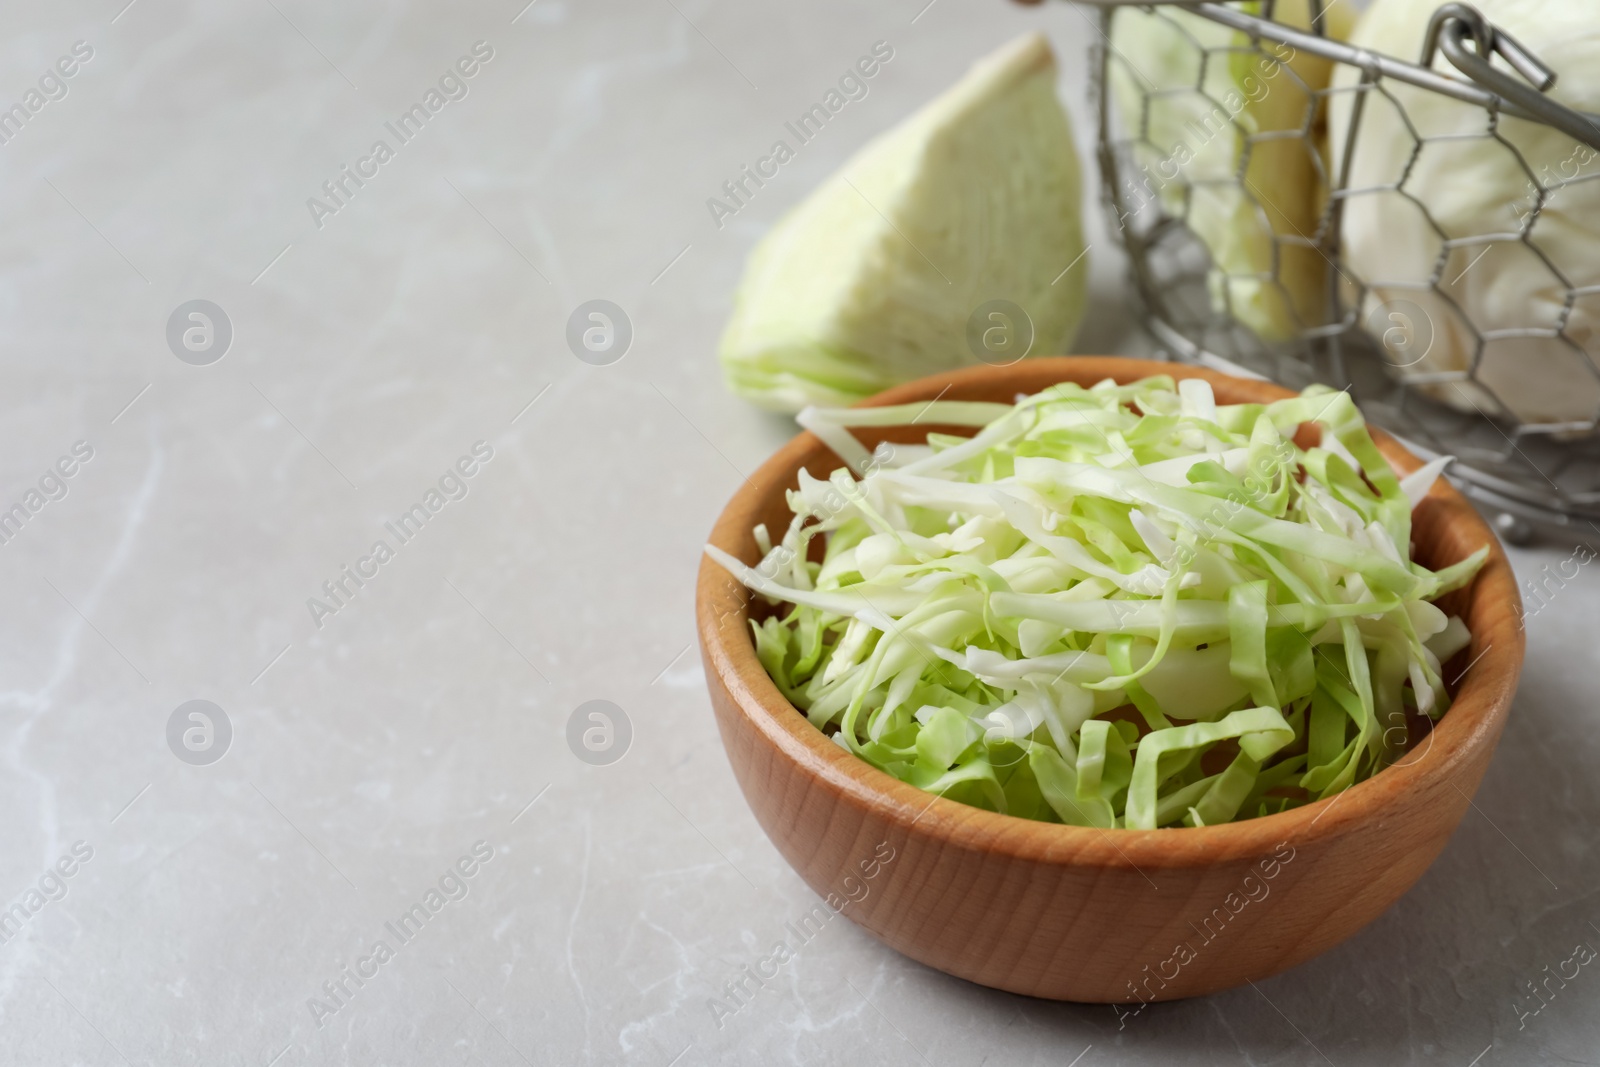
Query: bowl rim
{"type": "Point", "coordinates": [1475, 716]}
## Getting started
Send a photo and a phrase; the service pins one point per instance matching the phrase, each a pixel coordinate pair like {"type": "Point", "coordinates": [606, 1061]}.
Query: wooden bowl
{"type": "Point", "coordinates": [1081, 914]}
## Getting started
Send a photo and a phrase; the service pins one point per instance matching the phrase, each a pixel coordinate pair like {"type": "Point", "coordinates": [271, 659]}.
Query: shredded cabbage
{"type": "Point", "coordinates": [1122, 606]}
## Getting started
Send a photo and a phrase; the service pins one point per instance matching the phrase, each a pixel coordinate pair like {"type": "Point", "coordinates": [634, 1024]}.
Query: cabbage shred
{"type": "Point", "coordinates": [1121, 606]}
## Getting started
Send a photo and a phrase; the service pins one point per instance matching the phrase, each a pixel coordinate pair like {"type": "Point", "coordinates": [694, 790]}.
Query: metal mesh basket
{"type": "Point", "coordinates": [1374, 334]}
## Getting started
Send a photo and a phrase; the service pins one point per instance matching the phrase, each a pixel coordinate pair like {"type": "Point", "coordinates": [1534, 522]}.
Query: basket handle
{"type": "Point", "coordinates": [1455, 24]}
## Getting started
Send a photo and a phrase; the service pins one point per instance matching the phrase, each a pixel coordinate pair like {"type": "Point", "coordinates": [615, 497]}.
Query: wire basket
{"type": "Point", "coordinates": [1373, 334]}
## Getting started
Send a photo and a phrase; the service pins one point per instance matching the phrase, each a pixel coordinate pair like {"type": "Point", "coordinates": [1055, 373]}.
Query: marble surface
{"type": "Point", "coordinates": [374, 747]}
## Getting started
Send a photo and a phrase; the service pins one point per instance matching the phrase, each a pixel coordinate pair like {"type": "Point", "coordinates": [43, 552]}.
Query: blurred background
{"type": "Point", "coordinates": [246, 854]}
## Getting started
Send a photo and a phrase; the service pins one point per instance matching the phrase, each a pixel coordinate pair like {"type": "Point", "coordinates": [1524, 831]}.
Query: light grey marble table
{"type": "Point", "coordinates": [414, 741]}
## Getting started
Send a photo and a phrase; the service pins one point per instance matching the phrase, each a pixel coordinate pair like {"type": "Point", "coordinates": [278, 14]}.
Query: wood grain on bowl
{"type": "Point", "coordinates": [1075, 913]}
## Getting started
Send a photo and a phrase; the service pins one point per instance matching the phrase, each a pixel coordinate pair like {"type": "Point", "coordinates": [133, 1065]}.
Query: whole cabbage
{"type": "Point", "coordinates": [1475, 238]}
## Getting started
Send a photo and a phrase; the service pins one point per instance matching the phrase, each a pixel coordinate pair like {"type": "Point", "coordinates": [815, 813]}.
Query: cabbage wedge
{"type": "Point", "coordinates": [873, 278]}
{"type": "Point", "coordinates": [1228, 138]}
